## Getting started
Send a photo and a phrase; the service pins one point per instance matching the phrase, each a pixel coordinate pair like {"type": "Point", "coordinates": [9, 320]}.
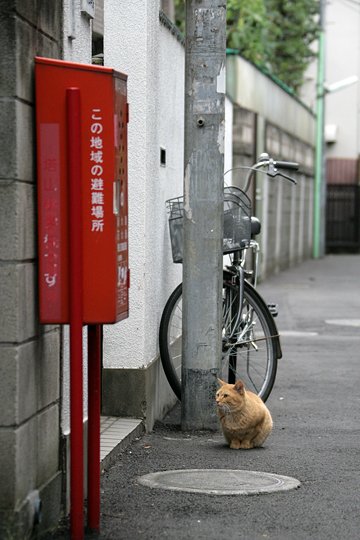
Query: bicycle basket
{"type": "Point", "coordinates": [237, 222]}
{"type": "Point", "coordinates": [175, 208]}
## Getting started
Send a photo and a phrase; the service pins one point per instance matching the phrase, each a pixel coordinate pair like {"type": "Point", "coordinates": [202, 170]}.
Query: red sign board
{"type": "Point", "coordinates": [103, 160]}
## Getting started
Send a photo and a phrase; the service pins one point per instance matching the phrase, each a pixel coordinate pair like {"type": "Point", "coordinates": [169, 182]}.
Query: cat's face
{"type": "Point", "coordinates": [230, 396]}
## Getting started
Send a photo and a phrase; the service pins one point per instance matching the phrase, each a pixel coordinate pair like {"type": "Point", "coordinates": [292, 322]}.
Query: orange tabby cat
{"type": "Point", "coordinates": [245, 420]}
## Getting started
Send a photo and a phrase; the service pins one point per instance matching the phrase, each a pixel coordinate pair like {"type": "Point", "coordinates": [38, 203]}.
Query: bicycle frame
{"type": "Point", "coordinates": [239, 257]}
{"type": "Point", "coordinates": [250, 339]}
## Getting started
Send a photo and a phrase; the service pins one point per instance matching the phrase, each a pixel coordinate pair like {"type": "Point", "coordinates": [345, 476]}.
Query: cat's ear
{"type": "Point", "coordinates": [221, 382]}
{"type": "Point", "coordinates": [239, 387]}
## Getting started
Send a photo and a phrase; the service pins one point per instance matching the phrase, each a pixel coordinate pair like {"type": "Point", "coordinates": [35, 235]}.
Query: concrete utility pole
{"type": "Point", "coordinates": [203, 209]}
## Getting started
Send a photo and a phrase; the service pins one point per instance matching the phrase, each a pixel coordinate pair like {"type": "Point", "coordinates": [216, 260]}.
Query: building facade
{"type": "Point", "coordinates": [136, 38]}
{"type": "Point", "coordinates": [342, 126]}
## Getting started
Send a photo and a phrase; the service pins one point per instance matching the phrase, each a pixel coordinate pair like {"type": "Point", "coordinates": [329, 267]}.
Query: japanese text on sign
{"type": "Point", "coordinates": [96, 170]}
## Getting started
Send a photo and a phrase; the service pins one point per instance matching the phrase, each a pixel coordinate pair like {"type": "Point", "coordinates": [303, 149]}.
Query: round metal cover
{"type": "Point", "coordinates": [219, 481]}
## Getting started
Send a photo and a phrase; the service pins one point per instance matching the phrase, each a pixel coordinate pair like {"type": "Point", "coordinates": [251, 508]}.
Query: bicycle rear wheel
{"type": "Point", "coordinates": [250, 344]}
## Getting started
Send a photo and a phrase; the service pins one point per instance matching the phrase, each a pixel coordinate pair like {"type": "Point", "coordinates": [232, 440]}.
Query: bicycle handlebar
{"type": "Point", "coordinates": [273, 168]}
{"type": "Point", "coordinates": [291, 165]}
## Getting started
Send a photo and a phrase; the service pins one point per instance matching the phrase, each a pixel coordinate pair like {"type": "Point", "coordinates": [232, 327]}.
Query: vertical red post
{"type": "Point", "coordinates": [94, 389]}
{"type": "Point", "coordinates": [76, 313]}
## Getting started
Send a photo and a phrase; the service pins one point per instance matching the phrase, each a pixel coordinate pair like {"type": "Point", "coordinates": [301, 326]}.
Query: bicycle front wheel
{"type": "Point", "coordinates": [250, 344]}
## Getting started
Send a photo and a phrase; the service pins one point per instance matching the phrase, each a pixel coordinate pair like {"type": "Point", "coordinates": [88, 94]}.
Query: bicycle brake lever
{"type": "Point", "coordinates": [292, 180]}
{"type": "Point", "coordinates": [273, 171]}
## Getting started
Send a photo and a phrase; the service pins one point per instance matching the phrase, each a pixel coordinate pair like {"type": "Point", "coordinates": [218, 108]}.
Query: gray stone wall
{"type": "Point", "coordinates": [29, 352]}
{"type": "Point", "coordinates": [289, 234]}
{"type": "Point", "coordinates": [285, 210]}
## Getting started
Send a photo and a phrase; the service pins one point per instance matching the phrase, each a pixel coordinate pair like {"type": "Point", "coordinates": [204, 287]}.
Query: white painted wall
{"type": "Point", "coordinates": [76, 48]}
{"type": "Point", "coordinates": [228, 143]}
{"type": "Point", "coordinates": [136, 43]}
{"type": "Point", "coordinates": [76, 33]}
{"type": "Point", "coordinates": [343, 60]}
{"type": "Point", "coordinates": [154, 61]}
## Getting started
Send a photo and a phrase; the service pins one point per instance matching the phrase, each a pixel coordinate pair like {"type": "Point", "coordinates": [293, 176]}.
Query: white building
{"type": "Point", "coordinates": [342, 112]}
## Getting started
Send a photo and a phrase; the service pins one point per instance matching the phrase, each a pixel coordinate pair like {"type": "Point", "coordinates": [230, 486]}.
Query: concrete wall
{"type": "Point", "coordinates": [285, 128]}
{"type": "Point", "coordinates": [29, 353]}
{"type": "Point", "coordinates": [253, 90]}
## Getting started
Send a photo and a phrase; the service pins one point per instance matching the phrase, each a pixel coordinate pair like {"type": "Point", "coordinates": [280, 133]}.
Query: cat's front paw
{"type": "Point", "coordinates": [235, 445]}
{"type": "Point", "coordinates": [243, 445]}
{"type": "Point", "coordinates": [246, 445]}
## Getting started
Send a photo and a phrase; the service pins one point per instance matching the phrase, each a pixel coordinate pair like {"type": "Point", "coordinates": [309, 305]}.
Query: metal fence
{"type": "Point", "coordinates": [342, 217]}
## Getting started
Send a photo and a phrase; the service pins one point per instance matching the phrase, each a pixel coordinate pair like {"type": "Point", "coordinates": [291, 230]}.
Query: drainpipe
{"type": "Point", "coordinates": [319, 188]}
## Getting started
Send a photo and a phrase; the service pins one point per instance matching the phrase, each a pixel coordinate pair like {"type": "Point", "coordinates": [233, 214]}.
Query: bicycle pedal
{"type": "Point", "coordinates": [274, 309]}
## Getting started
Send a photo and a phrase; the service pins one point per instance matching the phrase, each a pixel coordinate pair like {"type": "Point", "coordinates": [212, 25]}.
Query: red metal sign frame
{"type": "Point", "coordinates": [104, 117]}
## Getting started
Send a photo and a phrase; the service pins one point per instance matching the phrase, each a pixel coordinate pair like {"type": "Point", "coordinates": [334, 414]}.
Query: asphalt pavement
{"type": "Point", "coordinates": [315, 407]}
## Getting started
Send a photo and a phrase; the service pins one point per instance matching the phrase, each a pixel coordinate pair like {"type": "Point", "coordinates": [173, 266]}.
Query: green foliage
{"type": "Point", "coordinates": [247, 28]}
{"type": "Point", "coordinates": [180, 14]}
{"type": "Point", "coordinates": [293, 27]}
{"type": "Point", "coordinates": [275, 34]}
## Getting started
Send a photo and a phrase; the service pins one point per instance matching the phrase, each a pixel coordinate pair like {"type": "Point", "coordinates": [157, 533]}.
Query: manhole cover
{"type": "Point", "coordinates": [219, 481]}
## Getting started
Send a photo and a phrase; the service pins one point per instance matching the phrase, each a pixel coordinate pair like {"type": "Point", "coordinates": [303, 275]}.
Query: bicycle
{"type": "Point", "coordinates": [250, 340]}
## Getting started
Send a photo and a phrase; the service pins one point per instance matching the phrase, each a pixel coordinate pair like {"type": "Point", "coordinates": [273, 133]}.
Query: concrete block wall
{"type": "Point", "coordinates": [286, 130]}
{"type": "Point", "coordinates": [29, 352]}
{"type": "Point", "coordinates": [285, 210]}
{"type": "Point", "coordinates": [286, 217]}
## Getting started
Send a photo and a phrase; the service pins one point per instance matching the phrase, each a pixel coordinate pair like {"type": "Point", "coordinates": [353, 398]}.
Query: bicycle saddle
{"type": "Point", "coordinates": [255, 225]}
